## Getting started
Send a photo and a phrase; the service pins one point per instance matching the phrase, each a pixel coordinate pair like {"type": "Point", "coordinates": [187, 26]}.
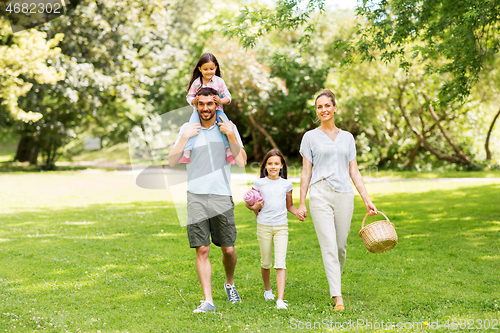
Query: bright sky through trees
{"type": "Point", "coordinates": [334, 4]}
{"type": "Point", "coordinates": [341, 4]}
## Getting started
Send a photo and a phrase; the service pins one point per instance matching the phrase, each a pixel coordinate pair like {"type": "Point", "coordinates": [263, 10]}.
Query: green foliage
{"type": "Point", "coordinates": [124, 57]}
{"type": "Point", "coordinates": [251, 24]}
{"type": "Point", "coordinates": [462, 35]}
{"type": "Point", "coordinates": [387, 109]}
{"type": "Point", "coordinates": [24, 60]}
{"type": "Point", "coordinates": [116, 70]}
{"type": "Point", "coordinates": [111, 62]}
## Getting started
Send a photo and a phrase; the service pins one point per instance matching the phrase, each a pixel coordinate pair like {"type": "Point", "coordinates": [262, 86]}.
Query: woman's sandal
{"type": "Point", "coordinates": [339, 307]}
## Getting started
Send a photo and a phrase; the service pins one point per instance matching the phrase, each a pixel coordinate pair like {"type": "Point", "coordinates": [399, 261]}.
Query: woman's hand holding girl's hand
{"type": "Point", "coordinates": [370, 207]}
{"type": "Point", "coordinates": [302, 212]}
{"type": "Point", "coordinates": [299, 217]}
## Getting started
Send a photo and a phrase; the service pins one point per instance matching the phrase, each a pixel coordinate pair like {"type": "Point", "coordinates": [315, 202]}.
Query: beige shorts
{"type": "Point", "coordinates": [267, 235]}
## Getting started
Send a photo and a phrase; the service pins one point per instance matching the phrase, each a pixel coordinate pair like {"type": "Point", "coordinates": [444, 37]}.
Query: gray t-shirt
{"type": "Point", "coordinates": [330, 159]}
{"type": "Point", "coordinates": [274, 194]}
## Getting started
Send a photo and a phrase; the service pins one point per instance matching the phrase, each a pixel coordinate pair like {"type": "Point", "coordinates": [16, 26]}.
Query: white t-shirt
{"type": "Point", "coordinates": [274, 194]}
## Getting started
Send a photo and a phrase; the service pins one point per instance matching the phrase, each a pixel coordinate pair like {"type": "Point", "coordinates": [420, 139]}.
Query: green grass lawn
{"type": "Point", "coordinates": [83, 252]}
{"type": "Point", "coordinates": [118, 153]}
{"type": "Point", "coordinates": [7, 151]}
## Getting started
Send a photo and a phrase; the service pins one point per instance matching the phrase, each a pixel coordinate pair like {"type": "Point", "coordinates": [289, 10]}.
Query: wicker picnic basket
{"type": "Point", "coordinates": [379, 236]}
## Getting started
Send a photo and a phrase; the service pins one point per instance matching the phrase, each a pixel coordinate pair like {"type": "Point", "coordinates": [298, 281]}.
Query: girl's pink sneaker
{"type": "Point", "coordinates": [230, 159]}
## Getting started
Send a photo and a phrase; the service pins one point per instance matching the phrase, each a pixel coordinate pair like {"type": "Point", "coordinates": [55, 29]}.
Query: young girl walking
{"type": "Point", "coordinates": [276, 192]}
{"type": "Point", "coordinates": [207, 74]}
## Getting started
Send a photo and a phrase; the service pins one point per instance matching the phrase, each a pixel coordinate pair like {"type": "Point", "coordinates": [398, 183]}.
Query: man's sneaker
{"type": "Point", "coordinates": [268, 295]}
{"type": "Point", "coordinates": [232, 294]}
{"type": "Point", "coordinates": [205, 306]}
{"type": "Point", "coordinates": [280, 304]}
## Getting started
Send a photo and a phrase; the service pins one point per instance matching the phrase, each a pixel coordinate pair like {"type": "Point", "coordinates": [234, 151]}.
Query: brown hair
{"type": "Point", "coordinates": [328, 93]}
{"type": "Point", "coordinates": [205, 57]}
{"type": "Point", "coordinates": [207, 91]}
{"type": "Point", "coordinates": [271, 153]}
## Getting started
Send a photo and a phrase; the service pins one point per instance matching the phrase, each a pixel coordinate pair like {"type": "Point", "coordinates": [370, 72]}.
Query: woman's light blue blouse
{"type": "Point", "coordinates": [330, 159]}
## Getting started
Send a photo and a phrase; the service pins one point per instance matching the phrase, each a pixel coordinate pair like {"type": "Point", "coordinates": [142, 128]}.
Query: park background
{"type": "Point", "coordinates": [85, 249]}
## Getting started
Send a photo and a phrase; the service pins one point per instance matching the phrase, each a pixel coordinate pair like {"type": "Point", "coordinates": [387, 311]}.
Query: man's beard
{"type": "Point", "coordinates": [207, 119]}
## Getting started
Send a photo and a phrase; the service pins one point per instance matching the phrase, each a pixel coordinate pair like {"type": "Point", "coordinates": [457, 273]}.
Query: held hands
{"type": "Point", "coordinates": [302, 213]}
{"type": "Point", "coordinates": [225, 127]}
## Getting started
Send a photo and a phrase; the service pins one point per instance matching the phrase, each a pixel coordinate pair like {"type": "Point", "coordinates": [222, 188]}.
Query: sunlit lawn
{"type": "Point", "coordinates": [7, 151]}
{"type": "Point", "coordinates": [88, 252]}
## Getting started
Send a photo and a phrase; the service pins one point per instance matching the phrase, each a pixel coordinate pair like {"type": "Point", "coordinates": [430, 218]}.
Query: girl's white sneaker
{"type": "Point", "coordinates": [280, 304]}
{"type": "Point", "coordinates": [268, 295]}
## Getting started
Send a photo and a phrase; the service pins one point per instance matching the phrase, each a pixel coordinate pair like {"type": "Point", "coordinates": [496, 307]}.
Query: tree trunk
{"type": "Point", "coordinates": [260, 147]}
{"type": "Point", "coordinates": [257, 155]}
{"type": "Point", "coordinates": [51, 157]}
{"type": "Point", "coordinates": [383, 161]}
{"type": "Point", "coordinates": [413, 155]}
{"type": "Point", "coordinates": [424, 142]}
{"type": "Point", "coordinates": [263, 131]}
{"type": "Point", "coordinates": [441, 129]}
{"type": "Point", "coordinates": [27, 150]}
{"type": "Point", "coordinates": [487, 143]}
{"type": "Point", "coordinates": [284, 131]}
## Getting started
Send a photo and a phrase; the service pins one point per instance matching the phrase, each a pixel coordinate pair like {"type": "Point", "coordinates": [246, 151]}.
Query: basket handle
{"type": "Point", "coordinates": [363, 223]}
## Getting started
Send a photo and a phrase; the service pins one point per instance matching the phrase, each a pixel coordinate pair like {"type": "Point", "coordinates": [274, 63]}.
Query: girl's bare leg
{"type": "Point", "coordinates": [280, 281]}
{"type": "Point", "coordinates": [266, 273]}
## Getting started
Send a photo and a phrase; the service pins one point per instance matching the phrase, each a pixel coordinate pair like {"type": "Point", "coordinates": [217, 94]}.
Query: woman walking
{"type": "Point", "coordinates": [328, 161]}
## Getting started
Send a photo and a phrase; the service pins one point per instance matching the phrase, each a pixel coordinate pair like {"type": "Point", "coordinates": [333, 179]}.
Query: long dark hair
{"type": "Point", "coordinates": [271, 153]}
{"type": "Point", "coordinates": [205, 57]}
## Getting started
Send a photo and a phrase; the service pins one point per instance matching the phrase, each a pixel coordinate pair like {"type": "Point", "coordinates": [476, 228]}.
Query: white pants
{"type": "Point", "coordinates": [331, 213]}
{"type": "Point", "coordinates": [267, 235]}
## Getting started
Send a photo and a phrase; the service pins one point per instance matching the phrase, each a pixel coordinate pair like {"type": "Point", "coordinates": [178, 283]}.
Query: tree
{"type": "Point", "coordinates": [24, 59]}
{"type": "Point", "coordinates": [25, 62]}
{"type": "Point", "coordinates": [374, 97]}
{"type": "Point", "coordinates": [253, 23]}
{"type": "Point", "coordinates": [270, 100]}
{"type": "Point", "coordinates": [252, 88]}
{"type": "Point", "coordinates": [463, 35]}
{"type": "Point", "coordinates": [111, 62]}
{"type": "Point", "coordinates": [451, 43]}
{"type": "Point", "coordinates": [389, 111]}
{"type": "Point", "coordinates": [487, 91]}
